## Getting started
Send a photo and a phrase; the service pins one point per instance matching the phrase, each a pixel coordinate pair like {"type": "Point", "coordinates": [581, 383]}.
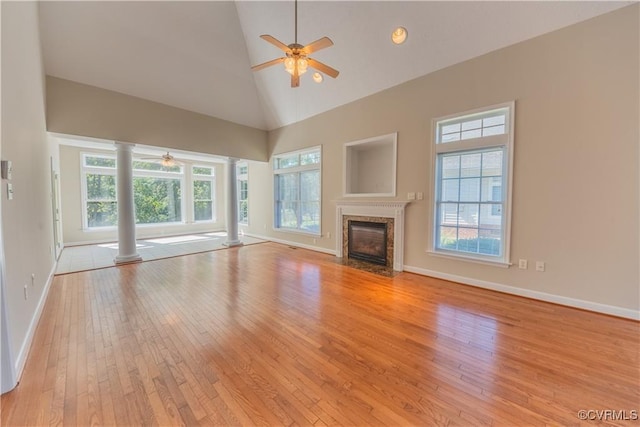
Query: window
{"type": "Point", "coordinates": [242, 176]}
{"type": "Point", "coordinates": [297, 190]}
{"type": "Point", "coordinates": [203, 193]}
{"type": "Point", "coordinates": [473, 161]}
{"type": "Point", "coordinates": [159, 192]}
{"type": "Point", "coordinates": [100, 191]}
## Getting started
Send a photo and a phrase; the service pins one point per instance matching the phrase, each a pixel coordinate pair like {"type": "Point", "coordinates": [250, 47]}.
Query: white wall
{"type": "Point", "coordinates": [27, 227]}
{"type": "Point", "coordinates": [576, 183]}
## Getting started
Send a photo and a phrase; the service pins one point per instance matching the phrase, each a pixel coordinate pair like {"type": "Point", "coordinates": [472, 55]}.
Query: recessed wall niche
{"type": "Point", "coordinates": [370, 167]}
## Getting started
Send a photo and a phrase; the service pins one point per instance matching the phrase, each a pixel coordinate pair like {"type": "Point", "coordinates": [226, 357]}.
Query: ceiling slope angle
{"type": "Point", "coordinates": [198, 55]}
{"type": "Point", "coordinates": [190, 55]}
{"type": "Point", "coordinates": [441, 34]}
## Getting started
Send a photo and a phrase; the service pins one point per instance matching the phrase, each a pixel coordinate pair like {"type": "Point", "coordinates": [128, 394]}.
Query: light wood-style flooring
{"type": "Point", "coordinates": [271, 335]}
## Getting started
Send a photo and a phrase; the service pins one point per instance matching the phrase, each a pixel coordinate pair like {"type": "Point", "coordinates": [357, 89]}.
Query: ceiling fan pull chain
{"type": "Point", "coordinates": [296, 21]}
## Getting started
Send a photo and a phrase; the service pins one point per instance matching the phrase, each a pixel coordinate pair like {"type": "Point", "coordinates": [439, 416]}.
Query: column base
{"type": "Point", "coordinates": [233, 243]}
{"type": "Point", "coordinates": [126, 259]}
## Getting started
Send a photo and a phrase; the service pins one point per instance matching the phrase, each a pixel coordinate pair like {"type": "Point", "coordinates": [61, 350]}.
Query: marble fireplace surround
{"type": "Point", "coordinates": [373, 209]}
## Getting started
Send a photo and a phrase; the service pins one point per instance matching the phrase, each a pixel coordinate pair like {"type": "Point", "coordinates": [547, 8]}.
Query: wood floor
{"type": "Point", "coordinates": [271, 335]}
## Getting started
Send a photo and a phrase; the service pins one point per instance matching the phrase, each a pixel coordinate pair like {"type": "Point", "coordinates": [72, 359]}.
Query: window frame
{"type": "Point", "coordinates": [84, 196]}
{"type": "Point", "coordinates": [298, 169]}
{"type": "Point", "coordinates": [185, 176]}
{"type": "Point", "coordinates": [505, 142]}
{"type": "Point", "coordinates": [200, 177]}
{"type": "Point", "coordinates": [147, 173]}
{"type": "Point", "coordinates": [242, 177]}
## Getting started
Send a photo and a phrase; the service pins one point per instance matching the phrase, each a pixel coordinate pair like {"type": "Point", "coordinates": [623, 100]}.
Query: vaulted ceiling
{"type": "Point", "coordinates": [197, 55]}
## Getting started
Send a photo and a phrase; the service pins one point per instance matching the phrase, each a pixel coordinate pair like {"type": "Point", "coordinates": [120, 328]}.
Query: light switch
{"type": "Point", "coordinates": [9, 191]}
{"type": "Point", "coordinates": [420, 195]}
{"type": "Point", "coordinates": [411, 196]}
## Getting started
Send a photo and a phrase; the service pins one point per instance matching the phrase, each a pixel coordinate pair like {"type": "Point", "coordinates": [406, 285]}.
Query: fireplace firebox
{"type": "Point", "coordinates": [368, 241]}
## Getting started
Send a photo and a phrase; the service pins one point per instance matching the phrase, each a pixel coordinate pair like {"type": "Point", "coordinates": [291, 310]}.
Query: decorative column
{"type": "Point", "coordinates": [127, 251]}
{"type": "Point", "coordinates": [232, 204]}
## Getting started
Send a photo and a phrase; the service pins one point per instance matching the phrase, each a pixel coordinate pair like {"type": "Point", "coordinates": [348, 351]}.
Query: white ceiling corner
{"type": "Point", "coordinates": [197, 55]}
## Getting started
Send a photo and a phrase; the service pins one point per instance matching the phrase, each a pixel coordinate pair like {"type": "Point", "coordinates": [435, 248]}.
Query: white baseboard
{"type": "Point", "coordinates": [542, 296]}
{"type": "Point", "coordinates": [21, 359]}
{"type": "Point", "coordinates": [296, 244]}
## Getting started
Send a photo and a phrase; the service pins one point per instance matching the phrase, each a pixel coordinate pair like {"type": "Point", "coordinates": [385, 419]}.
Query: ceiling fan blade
{"type": "Point", "coordinates": [317, 45]}
{"type": "Point", "coordinates": [331, 72]}
{"type": "Point", "coordinates": [268, 64]}
{"type": "Point", "coordinates": [277, 43]}
{"type": "Point", "coordinates": [295, 80]}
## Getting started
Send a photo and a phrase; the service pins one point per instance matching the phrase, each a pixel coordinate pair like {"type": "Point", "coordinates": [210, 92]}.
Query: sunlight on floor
{"type": "Point", "coordinates": [89, 257]}
{"type": "Point", "coordinates": [178, 239]}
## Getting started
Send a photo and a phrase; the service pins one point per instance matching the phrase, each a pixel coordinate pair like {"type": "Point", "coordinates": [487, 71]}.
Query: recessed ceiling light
{"type": "Point", "coordinates": [399, 35]}
{"type": "Point", "coordinates": [317, 77]}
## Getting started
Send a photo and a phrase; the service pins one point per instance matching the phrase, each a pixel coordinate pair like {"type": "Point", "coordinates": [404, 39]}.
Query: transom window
{"type": "Point", "coordinates": [297, 184]}
{"type": "Point", "coordinates": [476, 126]}
{"type": "Point", "coordinates": [473, 180]}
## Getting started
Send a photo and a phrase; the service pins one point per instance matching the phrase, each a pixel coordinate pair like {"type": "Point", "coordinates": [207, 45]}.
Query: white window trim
{"type": "Point", "coordinates": [198, 177]}
{"type": "Point", "coordinates": [297, 169]}
{"type": "Point", "coordinates": [505, 140]}
{"type": "Point", "coordinates": [84, 170]}
{"type": "Point", "coordinates": [243, 177]}
{"type": "Point", "coordinates": [186, 182]}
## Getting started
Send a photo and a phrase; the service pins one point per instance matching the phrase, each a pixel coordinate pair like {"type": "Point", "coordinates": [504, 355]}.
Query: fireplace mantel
{"type": "Point", "coordinates": [376, 208]}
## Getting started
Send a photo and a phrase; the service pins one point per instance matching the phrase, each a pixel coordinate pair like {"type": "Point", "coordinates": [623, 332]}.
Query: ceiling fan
{"type": "Point", "coordinates": [167, 160]}
{"type": "Point", "coordinates": [297, 58]}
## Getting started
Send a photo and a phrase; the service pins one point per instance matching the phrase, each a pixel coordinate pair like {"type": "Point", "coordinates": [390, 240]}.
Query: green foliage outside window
{"type": "Point", "coordinates": [202, 200]}
{"type": "Point", "coordinates": [157, 200]}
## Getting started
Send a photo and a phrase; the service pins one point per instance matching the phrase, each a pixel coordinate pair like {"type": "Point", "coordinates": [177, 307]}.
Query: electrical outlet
{"type": "Point", "coordinates": [540, 266]}
{"type": "Point", "coordinates": [522, 264]}
{"type": "Point", "coordinates": [315, 241]}
{"type": "Point", "coordinates": [328, 235]}
{"type": "Point", "coordinates": [26, 292]}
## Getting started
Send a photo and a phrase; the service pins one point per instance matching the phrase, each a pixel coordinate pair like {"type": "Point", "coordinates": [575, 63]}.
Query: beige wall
{"type": "Point", "coordinates": [27, 225]}
{"type": "Point", "coordinates": [575, 203]}
{"type": "Point", "coordinates": [78, 109]}
{"type": "Point", "coordinates": [71, 200]}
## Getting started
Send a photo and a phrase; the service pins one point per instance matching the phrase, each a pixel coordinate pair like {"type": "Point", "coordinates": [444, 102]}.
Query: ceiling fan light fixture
{"type": "Point", "coordinates": [297, 61]}
{"type": "Point", "coordinates": [303, 64]}
{"type": "Point", "coordinates": [290, 65]}
{"type": "Point", "coordinates": [399, 35]}
{"type": "Point", "coordinates": [167, 160]}
{"type": "Point", "coordinates": [317, 77]}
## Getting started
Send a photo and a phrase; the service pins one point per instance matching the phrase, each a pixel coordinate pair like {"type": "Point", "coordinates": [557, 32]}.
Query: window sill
{"type": "Point", "coordinates": [296, 231]}
{"type": "Point", "coordinates": [459, 257]}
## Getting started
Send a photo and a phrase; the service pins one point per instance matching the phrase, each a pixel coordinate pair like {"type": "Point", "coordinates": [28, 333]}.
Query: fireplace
{"type": "Point", "coordinates": [367, 241]}
{"type": "Point", "coordinates": [389, 213]}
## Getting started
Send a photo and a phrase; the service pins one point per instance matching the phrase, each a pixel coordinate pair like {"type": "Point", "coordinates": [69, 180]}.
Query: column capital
{"type": "Point", "coordinates": [123, 145]}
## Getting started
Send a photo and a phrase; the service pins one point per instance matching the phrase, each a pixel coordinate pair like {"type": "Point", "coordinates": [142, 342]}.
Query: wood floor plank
{"type": "Point", "coordinates": [269, 335]}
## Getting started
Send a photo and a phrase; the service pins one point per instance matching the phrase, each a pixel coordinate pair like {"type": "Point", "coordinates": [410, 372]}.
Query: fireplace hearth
{"type": "Point", "coordinates": [367, 241]}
